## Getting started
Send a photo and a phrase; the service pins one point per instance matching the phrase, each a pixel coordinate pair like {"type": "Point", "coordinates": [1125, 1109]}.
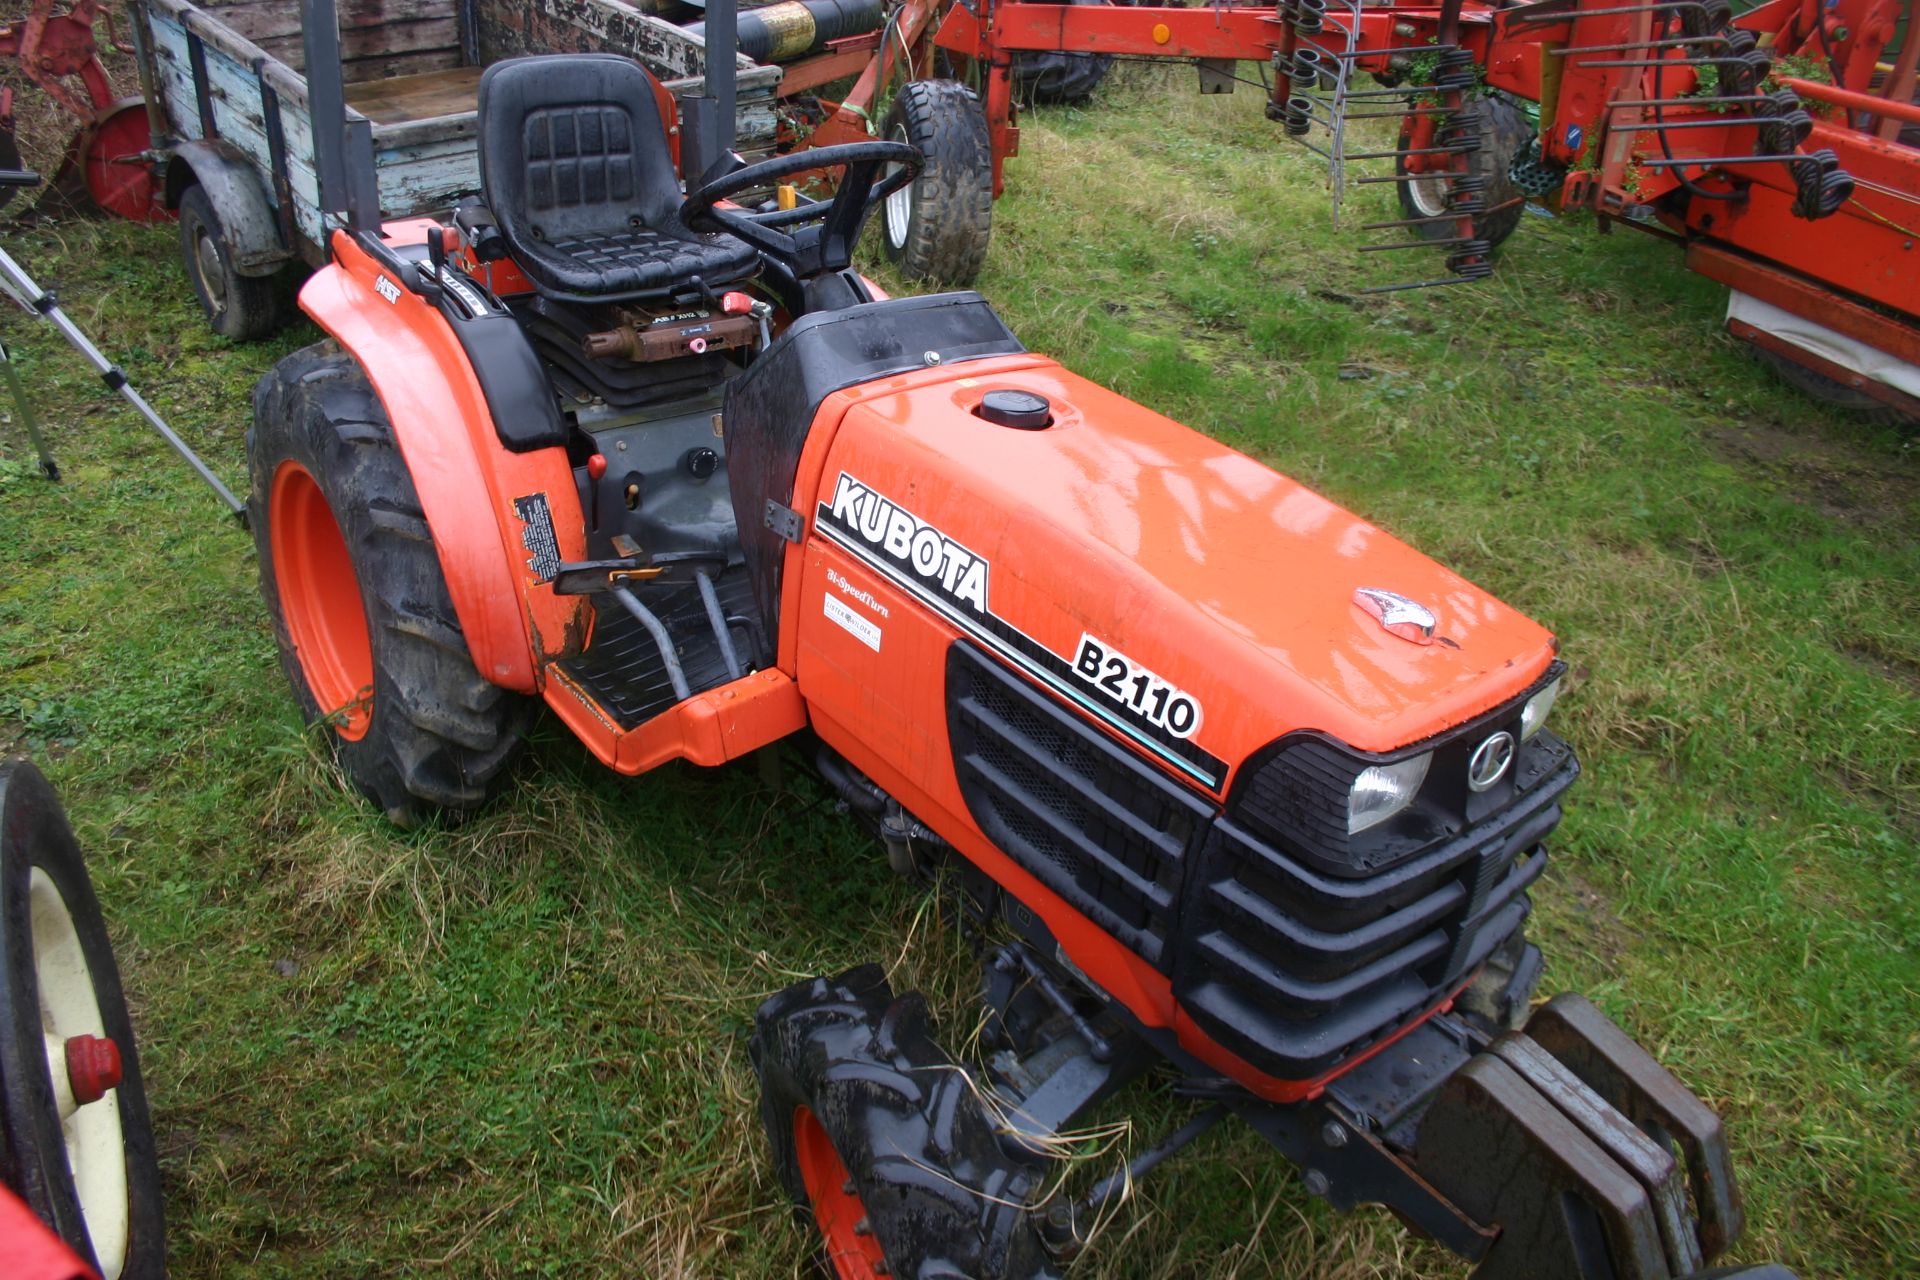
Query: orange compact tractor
{"type": "Point", "coordinates": [1219, 775]}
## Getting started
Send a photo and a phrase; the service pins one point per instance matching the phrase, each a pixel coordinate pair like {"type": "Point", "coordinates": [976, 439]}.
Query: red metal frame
{"type": "Point", "coordinates": [1606, 124]}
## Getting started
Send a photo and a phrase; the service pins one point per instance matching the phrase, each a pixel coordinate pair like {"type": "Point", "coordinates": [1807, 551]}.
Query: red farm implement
{"type": "Point", "coordinates": [1777, 145]}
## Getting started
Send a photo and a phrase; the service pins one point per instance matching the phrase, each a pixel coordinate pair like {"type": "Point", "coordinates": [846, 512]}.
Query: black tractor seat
{"type": "Point", "coordinates": [576, 170]}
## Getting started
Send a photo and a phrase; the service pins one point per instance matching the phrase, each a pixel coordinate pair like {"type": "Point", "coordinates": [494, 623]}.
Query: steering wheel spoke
{"type": "Point", "coordinates": [816, 238]}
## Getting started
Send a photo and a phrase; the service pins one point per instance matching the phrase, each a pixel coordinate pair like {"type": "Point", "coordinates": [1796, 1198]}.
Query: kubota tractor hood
{"type": "Point", "coordinates": [1186, 593]}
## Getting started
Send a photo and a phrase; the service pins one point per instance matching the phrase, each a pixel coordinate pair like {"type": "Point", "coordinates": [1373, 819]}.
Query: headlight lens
{"type": "Point", "coordinates": [1383, 790]}
{"type": "Point", "coordinates": [1534, 714]}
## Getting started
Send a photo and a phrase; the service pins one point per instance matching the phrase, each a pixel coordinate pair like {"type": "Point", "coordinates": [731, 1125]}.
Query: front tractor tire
{"type": "Point", "coordinates": [367, 632]}
{"type": "Point", "coordinates": [937, 226]}
{"type": "Point", "coordinates": [883, 1141]}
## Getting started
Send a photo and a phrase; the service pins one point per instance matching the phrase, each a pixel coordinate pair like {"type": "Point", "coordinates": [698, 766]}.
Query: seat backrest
{"type": "Point", "coordinates": [573, 144]}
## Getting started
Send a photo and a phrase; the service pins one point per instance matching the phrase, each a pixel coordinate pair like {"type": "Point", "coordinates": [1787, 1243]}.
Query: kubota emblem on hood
{"type": "Point", "coordinates": [1400, 616]}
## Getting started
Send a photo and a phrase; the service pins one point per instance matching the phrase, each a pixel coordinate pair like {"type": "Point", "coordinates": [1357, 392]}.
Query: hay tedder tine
{"type": "Point", "coordinates": [1619, 1070]}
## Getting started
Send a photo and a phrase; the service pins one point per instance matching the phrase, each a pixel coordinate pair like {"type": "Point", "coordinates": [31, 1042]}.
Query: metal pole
{"type": "Point", "coordinates": [327, 99]}
{"type": "Point", "coordinates": [48, 467]}
{"type": "Point", "coordinates": [15, 280]}
{"type": "Point", "coordinates": [723, 48]}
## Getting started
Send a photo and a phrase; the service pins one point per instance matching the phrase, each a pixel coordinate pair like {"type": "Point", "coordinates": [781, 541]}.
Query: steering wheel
{"type": "Point", "coordinates": [823, 232]}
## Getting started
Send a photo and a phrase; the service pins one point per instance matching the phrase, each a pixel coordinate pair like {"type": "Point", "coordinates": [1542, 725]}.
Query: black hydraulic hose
{"type": "Point", "coordinates": [1666, 147]}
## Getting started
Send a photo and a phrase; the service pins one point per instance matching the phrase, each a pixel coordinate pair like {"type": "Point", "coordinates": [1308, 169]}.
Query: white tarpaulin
{"type": "Point", "coordinates": [1850, 353]}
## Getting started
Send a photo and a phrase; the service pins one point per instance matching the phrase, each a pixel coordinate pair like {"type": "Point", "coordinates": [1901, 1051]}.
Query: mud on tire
{"type": "Point", "coordinates": [842, 1060]}
{"type": "Point", "coordinates": [417, 729]}
{"type": "Point", "coordinates": [937, 227]}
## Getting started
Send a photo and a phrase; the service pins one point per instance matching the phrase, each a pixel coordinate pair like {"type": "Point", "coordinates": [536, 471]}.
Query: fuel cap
{"type": "Point", "coordinates": [1021, 409]}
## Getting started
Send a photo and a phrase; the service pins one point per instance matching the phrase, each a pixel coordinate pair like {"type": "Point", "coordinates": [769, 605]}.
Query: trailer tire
{"type": "Point", "coordinates": [1060, 76]}
{"type": "Point", "coordinates": [236, 306]}
{"type": "Point", "coordinates": [870, 1121]}
{"type": "Point", "coordinates": [1505, 132]}
{"type": "Point", "coordinates": [937, 227]}
{"type": "Point", "coordinates": [368, 635]}
{"type": "Point", "coordinates": [1830, 391]}
{"type": "Point", "coordinates": [95, 1182]}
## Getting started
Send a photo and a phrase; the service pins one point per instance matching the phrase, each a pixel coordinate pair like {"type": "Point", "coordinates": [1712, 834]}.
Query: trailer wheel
{"type": "Point", "coordinates": [239, 307]}
{"type": "Point", "coordinates": [937, 226]}
{"type": "Point", "coordinates": [78, 1139]}
{"type": "Point", "coordinates": [367, 632]}
{"type": "Point", "coordinates": [1818, 386]}
{"type": "Point", "coordinates": [1504, 133]}
{"type": "Point", "coordinates": [882, 1140]}
{"type": "Point", "coordinates": [1059, 75]}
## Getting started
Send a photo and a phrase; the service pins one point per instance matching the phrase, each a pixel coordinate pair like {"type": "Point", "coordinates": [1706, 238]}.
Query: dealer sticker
{"type": "Point", "coordinates": [842, 616]}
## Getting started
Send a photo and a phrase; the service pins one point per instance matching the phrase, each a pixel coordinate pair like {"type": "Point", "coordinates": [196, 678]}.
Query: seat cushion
{"type": "Point", "coordinates": [575, 168]}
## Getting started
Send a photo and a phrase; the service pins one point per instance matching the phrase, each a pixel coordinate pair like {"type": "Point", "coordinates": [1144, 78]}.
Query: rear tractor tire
{"type": "Point", "coordinates": [237, 306]}
{"type": "Point", "coordinates": [883, 1141]}
{"type": "Point", "coordinates": [76, 1138]}
{"type": "Point", "coordinates": [937, 227]}
{"type": "Point", "coordinates": [1504, 133]}
{"type": "Point", "coordinates": [367, 632]}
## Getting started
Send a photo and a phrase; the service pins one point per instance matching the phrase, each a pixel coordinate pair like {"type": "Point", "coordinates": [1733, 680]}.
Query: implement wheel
{"type": "Point", "coordinates": [368, 636]}
{"type": "Point", "coordinates": [1504, 133]}
{"type": "Point", "coordinates": [1057, 75]}
{"type": "Point", "coordinates": [77, 1137]}
{"type": "Point", "coordinates": [239, 307]}
{"type": "Point", "coordinates": [937, 226]}
{"type": "Point", "coordinates": [882, 1140]}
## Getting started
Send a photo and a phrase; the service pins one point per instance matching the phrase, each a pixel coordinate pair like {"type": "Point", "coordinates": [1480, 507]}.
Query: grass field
{"type": "Point", "coordinates": [518, 1048]}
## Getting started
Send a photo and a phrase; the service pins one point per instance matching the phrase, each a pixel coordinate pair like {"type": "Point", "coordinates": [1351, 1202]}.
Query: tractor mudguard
{"type": "Point", "coordinates": [247, 220]}
{"type": "Point", "coordinates": [502, 521]}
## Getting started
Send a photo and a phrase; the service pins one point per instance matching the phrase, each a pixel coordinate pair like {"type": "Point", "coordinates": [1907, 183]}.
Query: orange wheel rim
{"type": "Point", "coordinates": [836, 1209]}
{"type": "Point", "coordinates": [320, 600]}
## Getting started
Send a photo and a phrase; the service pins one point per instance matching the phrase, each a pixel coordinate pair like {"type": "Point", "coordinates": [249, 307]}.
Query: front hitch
{"type": "Point", "coordinates": [1562, 1150]}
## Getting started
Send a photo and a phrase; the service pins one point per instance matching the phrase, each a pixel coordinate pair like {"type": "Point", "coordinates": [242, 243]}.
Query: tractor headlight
{"type": "Point", "coordinates": [1383, 790]}
{"type": "Point", "coordinates": [1534, 714]}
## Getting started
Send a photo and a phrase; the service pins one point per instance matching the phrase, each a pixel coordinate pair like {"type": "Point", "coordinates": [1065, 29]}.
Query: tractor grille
{"type": "Point", "coordinates": [1293, 958]}
{"type": "Point", "coordinates": [1293, 968]}
{"type": "Point", "coordinates": [1078, 811]}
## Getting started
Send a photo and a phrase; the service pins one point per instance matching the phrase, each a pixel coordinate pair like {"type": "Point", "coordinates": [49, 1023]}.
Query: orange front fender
{"type": "Point", "coordinates": [468, 482]}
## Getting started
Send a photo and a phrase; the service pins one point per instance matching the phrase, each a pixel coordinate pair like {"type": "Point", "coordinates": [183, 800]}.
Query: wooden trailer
{"type": "Point", "coordinates": [231, 114]}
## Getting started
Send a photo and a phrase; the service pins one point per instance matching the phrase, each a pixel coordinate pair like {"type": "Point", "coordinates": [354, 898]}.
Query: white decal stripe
{"type": "Point", "coordinates": [1011, 654]}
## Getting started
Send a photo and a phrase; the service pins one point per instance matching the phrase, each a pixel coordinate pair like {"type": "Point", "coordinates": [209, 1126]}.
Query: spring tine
{"type": "Point", "coordinates": [1644, 44]}
{"type": "Point", "coordinates": [1400, 115]}
{"type": "Point", "coordinates": [1416, 284]}
{"type": "Point", "coordinates": [1722, 161]}
{"type": "Point", "coordinates": [1399, 245]}
{"type": "Point", "coordinates": [1409, 222]}
{"type": "Point", "coordinates": [1372, 53]}
{"type": "Point", "coordinates": [1399, 177]}
{"type": "Point", "coordinates": [1654, 62]}
{"type": "Point", "coordinates": [1321, 152]}
{"type": "Point", "coordinates": [1735, 99]}
{"type": "Point", "coordinates": [1693, 124]}
{"type": "Point", "coordinates": [1415, 151]}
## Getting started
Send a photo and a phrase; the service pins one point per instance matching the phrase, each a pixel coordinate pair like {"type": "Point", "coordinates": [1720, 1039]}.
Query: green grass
{"type": "Point", "coordinates": [519, 1047]}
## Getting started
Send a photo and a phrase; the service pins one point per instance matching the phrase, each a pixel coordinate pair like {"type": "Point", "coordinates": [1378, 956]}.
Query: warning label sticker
{"type": "Point", "coordinates": [538, 536]}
